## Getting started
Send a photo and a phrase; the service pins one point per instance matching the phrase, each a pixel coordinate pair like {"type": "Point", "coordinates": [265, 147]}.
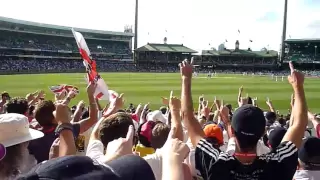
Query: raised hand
{"type": "Point", "coordinates": [268, 102]}
{"type": "Point", "coordinates": [205, 111]}
{"type": "Point", "coordinates": [146, 107]}
{"type": "Point", "coordinates": [119, 101]}
{"type": "Point", "coordinates": [41, 94]}
{"type": "Point", "coordinates": [175, 147]}
{"type": "Point", "coordinates": [91, 88]}
{"type": "Point", "coordinates": [72, 94]}
{"type": "Point", "coordinates": [296, 79]}
{"type": "Point", "coordinates": [186, 68]}
{"type": "Point", "coordinates": [60, 96]}
{"type": "Point", "coordinates": [174, 103]}
{"type": "Point", "coordinates": [243, 101]}
{"type": "Point", "coordinates": [54, 149]}
{"type": "Point", "coordinates": [241, 89]}
{"type": "Point", "coordinates": [165, 101]}
{"type": "Point", "coordinates": [224, 114]}
{"type": "Point", "coordinates": [121, 146]}
{"type": "Point", "coordinates": [62, 114]}
{"type": "Point", "coordinates": [81, 104]}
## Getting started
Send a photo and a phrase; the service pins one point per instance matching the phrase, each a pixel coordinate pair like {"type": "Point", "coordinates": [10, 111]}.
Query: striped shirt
{"type": "Point", "coordinates": [278, 164]}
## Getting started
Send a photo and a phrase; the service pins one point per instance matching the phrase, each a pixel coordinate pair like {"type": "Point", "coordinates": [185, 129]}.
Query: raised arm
{"type": "Point", "coordinates": [175, 107]}
{"type": "Point", "coordinates": [295, 132]}
{"type": "Point", "coordinates": [270, 105]}
{"type": "Point", "coordinates": [139, 110]}
{"type": "Point", "coordinates": [113, 108]}
{"type": "Point", "coordinates": [173, 154]}
{"type": "Point", "coordinates": [240, 96]}
{"type": "Point", "coordinates": [193, 127]}
{"type": "Point", "coordinates": [77, 114]}
{"type": "Point", "coordinates": [34, 100]}
{"type": "Point", "coordinates": [66, 136]}
{"type": "Point", "coordinates": [315, 121]}
{"type": "Point", "coordinates": [144, 113]}
{"type": "Point", "coordinates": [93, 110]}
{"type": "Point", "coordinates": [201, 99]}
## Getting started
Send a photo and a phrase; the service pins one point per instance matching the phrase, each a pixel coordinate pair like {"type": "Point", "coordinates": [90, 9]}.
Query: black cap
{"type": "Point", "coordinates": [309, 153]}
{"type": "Point", "coordinates": [275, 136]}
{"type": "Point", "coordinates": [82, 167]}
{"type": "Point", "coordinates": [163, 109]}
{"type": "Point", "coordinates": [249, 123]}
{"type": "Point", "coordinates": [271, 118]}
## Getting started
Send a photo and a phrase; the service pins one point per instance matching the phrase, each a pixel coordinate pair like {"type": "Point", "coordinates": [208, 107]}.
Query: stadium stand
{"type": "Point", "coordinates": [304, 53]}
{"type": "Point", "coordinates": [303, 50]}
{"type": "Point", "coordinates": [29, 47]}
{"type": "Point", "coordinates": [35, 47]}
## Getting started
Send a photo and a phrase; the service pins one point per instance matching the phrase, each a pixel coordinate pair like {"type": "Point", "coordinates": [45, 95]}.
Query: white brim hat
{"type": "Point", "coordinates": [15, 129]}
{"type": "Point", "coordinates": [156, 116]}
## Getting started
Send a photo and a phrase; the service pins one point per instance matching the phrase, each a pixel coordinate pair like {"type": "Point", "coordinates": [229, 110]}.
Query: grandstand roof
{"type": "Point", "coordinates": [240, 52]}
{"type": "Point", "coordinates": [56, 27]}
{"type": "Point", "coordinates": [165, 48]}
{"type": "Point", "coordinates": [301, 40]}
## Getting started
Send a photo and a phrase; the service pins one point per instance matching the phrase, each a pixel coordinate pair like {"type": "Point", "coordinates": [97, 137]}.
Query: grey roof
{"type": "Point", "coordinates": [51, 26]}
{"type": "Point", "coordinates": [165, 48]}
{"type": "Point", "coordinates": [302, 40]}
{"type": "Point", "coordinates": [240, 52]}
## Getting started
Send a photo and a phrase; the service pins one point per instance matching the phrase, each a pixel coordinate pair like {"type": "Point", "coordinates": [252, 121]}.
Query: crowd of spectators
{"type": "Point", "coordinates": [303, 52]}
{"type": "Point", "coordinates": [56, 43]}
{"type": "Point", "coordinates": [69, 65]}
{"type": "Point", "coordinates": [245, 61]}
{"type": "Point", "coordinates": [48, 139]}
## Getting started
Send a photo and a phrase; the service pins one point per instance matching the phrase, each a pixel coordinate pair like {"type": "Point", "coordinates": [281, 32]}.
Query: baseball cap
{"type": "Point", "coordinates": [83, 167]}
{"type": "Point", "coordinates": [275, 136]}
{"type": "Point", "coordinates": [146, 129]}
{"type": "Point", "coordinates": [248, 123]}
{"type": "Point", "coordinates": [309, 153]}
{"type": "Point", "coordinates": [213, 131]}
{"type": "Point", "coordinates": [156, 116]}
{"type": "Point", "coordinates": [15, 129]}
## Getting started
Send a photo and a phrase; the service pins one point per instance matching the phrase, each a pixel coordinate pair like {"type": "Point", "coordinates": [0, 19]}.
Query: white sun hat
{"type": "Point", "coordinates": [156, 116]}
{"type": "Point", "coordinates": [14, 129]}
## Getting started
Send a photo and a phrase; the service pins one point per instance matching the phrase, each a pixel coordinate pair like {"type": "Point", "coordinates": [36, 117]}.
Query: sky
{"type": "Point", "coordinates": [194, 23]}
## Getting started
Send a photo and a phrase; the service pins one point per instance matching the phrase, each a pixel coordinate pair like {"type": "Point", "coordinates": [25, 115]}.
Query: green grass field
{"type": "Point", "coordinates": [150, 87]}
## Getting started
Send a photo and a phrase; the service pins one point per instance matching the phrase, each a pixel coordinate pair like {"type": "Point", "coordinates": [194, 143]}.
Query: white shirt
{"type": "Point", "coordinates": [155, 162]}
{"type": "Point", "coordinates": [306, 175]}
{"type": "Point", "coordinates": [86, 136]}
{"type": "Point", "coordinates": [190, 160]}
{"type": "Point", "coordinates": [225, 141]}
{"type": "Point", "coordinates": [95, 151]}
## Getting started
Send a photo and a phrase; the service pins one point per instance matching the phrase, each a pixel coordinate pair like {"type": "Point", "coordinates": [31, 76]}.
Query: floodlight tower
{"type": "Point", "coordinates": [284, 31]}
{"type": "Point", "coordinates": [136, 26]}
